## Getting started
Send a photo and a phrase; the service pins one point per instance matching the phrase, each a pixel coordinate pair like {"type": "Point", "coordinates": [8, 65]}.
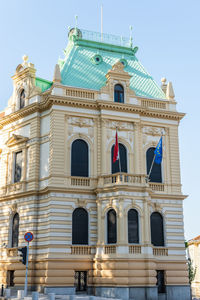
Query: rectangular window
{"type": "Point", "coordinates": [10, 278]}
{"type": "Point", "coordinates": [160, 281]}
{"type": "Point", "coordinates": [80, 281]}
{"type": "Point", "coordinates": [18, 166]}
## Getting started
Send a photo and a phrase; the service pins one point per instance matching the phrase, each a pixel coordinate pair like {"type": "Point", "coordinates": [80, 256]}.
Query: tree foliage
{"type": "Point", "coordinates": [192, 270]}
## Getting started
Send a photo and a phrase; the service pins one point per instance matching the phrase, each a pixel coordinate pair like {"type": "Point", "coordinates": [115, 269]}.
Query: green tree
{"type": "Point", "coordinates": [191, 270]}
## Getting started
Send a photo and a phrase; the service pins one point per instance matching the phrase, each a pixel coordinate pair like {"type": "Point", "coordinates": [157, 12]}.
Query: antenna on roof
{"type": "Point", "coordinates": [76, 21]}
{"type": "Point", "coordinates": [131, 38]}
{"type": "Point", "coordinates": [102, 22]}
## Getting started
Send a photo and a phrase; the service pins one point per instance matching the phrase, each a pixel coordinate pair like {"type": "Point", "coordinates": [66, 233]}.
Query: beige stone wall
{"type": "Point", "coordinates": [47, 195]}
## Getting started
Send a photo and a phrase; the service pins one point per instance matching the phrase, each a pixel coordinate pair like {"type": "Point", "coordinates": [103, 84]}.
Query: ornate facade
{"type": "Point", "coordinates": [111, 234]}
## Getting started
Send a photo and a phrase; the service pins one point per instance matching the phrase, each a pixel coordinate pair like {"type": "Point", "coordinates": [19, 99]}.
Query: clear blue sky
{"type": "Point", "coordinates": [166, 32]}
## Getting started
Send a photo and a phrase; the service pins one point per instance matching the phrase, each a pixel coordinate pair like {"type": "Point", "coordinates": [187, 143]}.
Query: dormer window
{"type": "Point", "coordinates": [22, 99]}
{"type": "Point", "coordinates": [119, 93]}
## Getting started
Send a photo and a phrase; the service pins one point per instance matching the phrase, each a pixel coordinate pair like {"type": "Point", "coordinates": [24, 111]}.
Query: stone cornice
{"type": "Point", "coordinates": [50, 100]}
{"type": "Point", "coordinates": [45, 191]}
{"type": "Point", "coordinates": [139, 110]}
{"type": "Point", "coordinates": [49, 189]}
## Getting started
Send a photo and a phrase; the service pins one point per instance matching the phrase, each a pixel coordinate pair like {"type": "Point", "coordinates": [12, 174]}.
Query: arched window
{"type": "Point", "coordinates": [123, 159]}
{"type": "Point", "coordinates": [111, 227]}
{"type": "Point", "coordinates": [80, 227]}
{"type": "Point", "coordinates": [133, 228]}
{"type": "Point", "coordinates": [79, 158]}
{"type": "Point", "coordinates": [15, 230]}
{"type": "Point", "coordinates": [156, 174]}
{"type": "Point", "coordinates": [119, 93]}
{"type": "Point", "coordinates": [157, 235]}
{"type": "Point", "coordinates": [22, 99]}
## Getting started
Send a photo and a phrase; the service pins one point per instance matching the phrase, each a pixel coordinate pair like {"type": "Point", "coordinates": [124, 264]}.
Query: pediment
{"type": "Point", "coordinates": [117, 71]}
{"type": "Point", "coordinates": [15, 140]}
{"type": "Point", "coordinates": [117, 75]}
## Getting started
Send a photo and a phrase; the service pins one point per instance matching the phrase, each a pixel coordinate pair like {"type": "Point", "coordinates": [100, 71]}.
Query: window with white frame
{"type": "Point", "coordinates": [15, 230]}
{"type": "Point", "coordinates": [18, 166]}
{"type": "Point", "coordinates": [22, 99]}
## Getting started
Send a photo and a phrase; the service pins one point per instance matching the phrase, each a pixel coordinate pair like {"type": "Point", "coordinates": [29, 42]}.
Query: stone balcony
{"type": "Point", "coordinates": [89, 183]}
{"type": "Point", "coordinates": [106, 249]}
{"type": "Point", "coordinates": [113, 180]}
{"type": "Point", "coordinates": [114, 249]}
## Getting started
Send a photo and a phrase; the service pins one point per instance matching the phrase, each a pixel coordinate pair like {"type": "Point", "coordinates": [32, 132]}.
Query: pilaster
{"type": "Point", "coordinates": [57, 149]}
{"type": "Point", "coordinates": [34, 163]}
{"type": "Point", "coordinates": [103, 147]}
{"type": "Point", "coordinates": [137, 148]}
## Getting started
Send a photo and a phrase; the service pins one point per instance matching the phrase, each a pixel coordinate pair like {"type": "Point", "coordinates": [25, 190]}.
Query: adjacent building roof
{"type": "Point", "coordinates": [88, 60]}
{"type": "Point", "coordinates": [196, 239]}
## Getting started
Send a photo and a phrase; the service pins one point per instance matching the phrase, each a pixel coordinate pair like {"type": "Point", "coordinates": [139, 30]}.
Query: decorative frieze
{"type": "Point", "coordinates": [80, 122]}
{"type": "Point", "coordinates": [151, 135]}
{"type": "Point", "coordinates": [121, 126]}
{"type": "Point", "coordinates": [154, 131]}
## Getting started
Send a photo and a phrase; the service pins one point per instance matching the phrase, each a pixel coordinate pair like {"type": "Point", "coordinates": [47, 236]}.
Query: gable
{"type": "Point", "coordinates": [16, 139]}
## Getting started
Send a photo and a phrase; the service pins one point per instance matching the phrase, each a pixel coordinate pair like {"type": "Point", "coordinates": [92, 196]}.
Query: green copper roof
{"type": "Point", "coordinates": [43, 83]}
{"type": "Point", "coordinates": [78, 68]}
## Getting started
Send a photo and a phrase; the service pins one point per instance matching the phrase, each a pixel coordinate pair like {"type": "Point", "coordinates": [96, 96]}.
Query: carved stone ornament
{"type": "Point", "coordinates": [153, 130]}
{"type": "Point", "coordinates": [24, 78]}
{"type": "Point", "coordinates": [133, 202]}
{"type": "Point", "coordinates": [157, 206]}
{"type": "Point", "coordinates": [125, 126]}
{"type": "Point", "coordinates": [15, 187]}
{"type": "Point", "coordinates": [80, 122]}
{"type": "Point", "coordinates": [81, 202]}
{"type": "Point", "coordinates": [118, 67]}
{"type": "Point", "coordinates": [14, 207]}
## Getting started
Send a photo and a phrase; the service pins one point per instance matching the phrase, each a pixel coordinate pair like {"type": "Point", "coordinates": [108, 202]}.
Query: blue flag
{"type": "Point", "coordinates": [158, 152]}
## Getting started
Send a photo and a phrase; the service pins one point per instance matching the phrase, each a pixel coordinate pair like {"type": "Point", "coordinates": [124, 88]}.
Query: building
{"type": "Point", "coordinates": [95, 230]}
{"type": "Point", "coordinates": [194, 256]}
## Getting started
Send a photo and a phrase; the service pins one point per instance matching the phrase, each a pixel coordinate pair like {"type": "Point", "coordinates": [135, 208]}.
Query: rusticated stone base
{"type": "Point", "coordinates": [175, 292]}
{"type": "Point", "coordinates": [144, 293]}
{"type": "Point", "coordinates": [60, 290]}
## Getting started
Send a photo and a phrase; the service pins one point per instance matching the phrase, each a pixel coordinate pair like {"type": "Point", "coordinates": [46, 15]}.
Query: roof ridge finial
{"type": "Point", "coordinates": [57, 75]}
{"type": "Point", "coordinates": [25, 60]}
{"type": "Point", "coordinates": [170, 91]}
{"type": "Point", "coordinates": [76, 21]}
{"type": "Point", "coordinates": [131, 38]}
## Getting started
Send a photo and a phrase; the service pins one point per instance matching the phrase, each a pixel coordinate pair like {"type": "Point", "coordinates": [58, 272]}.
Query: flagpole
{"type": "Point", "coordinates": [153, 161]}
{"type": "Point", "coordinates": [151, 167]}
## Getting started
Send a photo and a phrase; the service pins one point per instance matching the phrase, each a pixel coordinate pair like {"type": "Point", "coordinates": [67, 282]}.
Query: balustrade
{"type": "Point", "coordinates": [158, 187]}
{"type": "Point", "coordinates": [135, 249]}
{"type": "Point", "coordinates": [123, 178]}
{"type": "Point", "coordinates": [109, 249]}
{"type": "Point", "coordinates": [81, 250]}
{"type": "Point", "coordinates": [160, 251]}
{"type": "Point", "coordinates": [76, 93]}
{"type": "Point", "coordinates": [156, 104]}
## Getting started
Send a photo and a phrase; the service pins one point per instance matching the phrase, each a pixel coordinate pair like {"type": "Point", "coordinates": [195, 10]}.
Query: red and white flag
{"type": "Point", "coordinates": [116, 149]}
